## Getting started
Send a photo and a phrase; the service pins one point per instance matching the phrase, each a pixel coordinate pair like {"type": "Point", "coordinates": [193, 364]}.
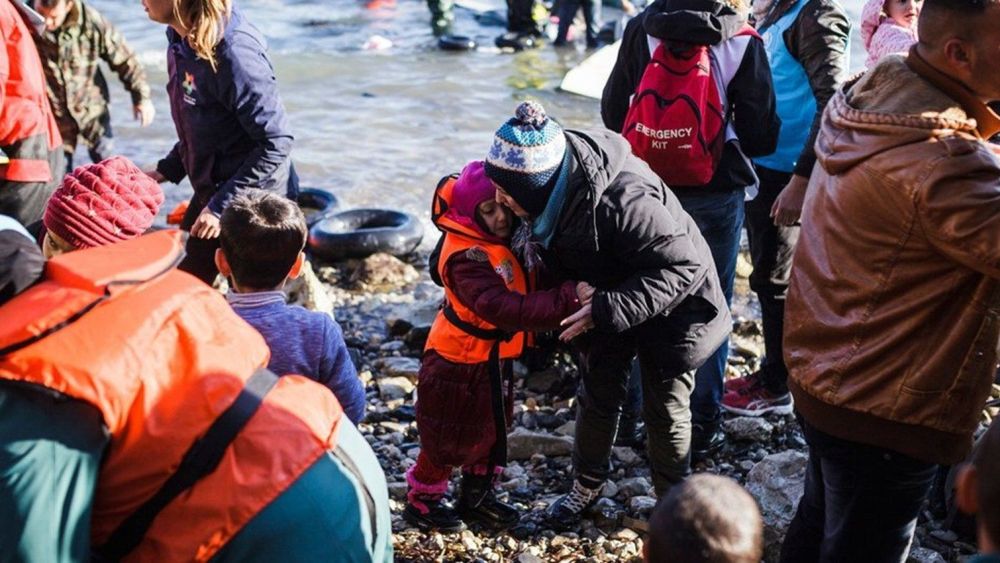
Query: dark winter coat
{"type": "Point", "coordinates": [749, 92]}
{"type": "Point", "coordinates": [232, 127]}
{"type": "Point", "coordinates": [454, 410]}
{"type": "Point", "coordinates": [625, 233]}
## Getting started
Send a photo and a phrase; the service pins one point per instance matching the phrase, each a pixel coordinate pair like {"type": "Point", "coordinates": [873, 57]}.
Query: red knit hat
{"type": "Point", "coordinates": [103, 203]}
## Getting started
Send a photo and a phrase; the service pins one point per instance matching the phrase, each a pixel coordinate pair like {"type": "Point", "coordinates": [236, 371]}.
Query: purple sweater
{"type": "Point", "coordinates": [303, 342]}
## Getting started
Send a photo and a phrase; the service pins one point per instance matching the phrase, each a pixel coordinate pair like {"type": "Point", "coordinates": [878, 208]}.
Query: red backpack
{"type": "Point", "coordinates": [676, 121]}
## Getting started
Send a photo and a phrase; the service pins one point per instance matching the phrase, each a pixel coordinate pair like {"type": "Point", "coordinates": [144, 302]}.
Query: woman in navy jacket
{"type": "Point", "coordinates": [232, 129]}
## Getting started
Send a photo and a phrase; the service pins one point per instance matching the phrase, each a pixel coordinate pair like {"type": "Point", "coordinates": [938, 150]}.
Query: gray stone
{"type": "Point", "coordinates": [380, 272]}
{"type": "Point", "coordinates": [392, 346]}
{"type": "Point", "coordinates": [625, 534]}
{"type": "Point", "coordinates": [610, 489]}
{"type": "Point", "coordinates": [748, 428]}
{"type": "Point", "coordinates": [568, 429]}
{"type": "Point", "coordinates": [924, 555]}
{"type": "Point", "coordinates": [776, 482]}
{"type": "Point", "coordinates": [398, 367]}
{"type": "Point", "coordinates": [634, 487]}
{"type": "Point", "coordinates": [398, 490]}
{"type": "Point", "coordinates": [514, 471]}
{"type": "Point", "coordinates": [522, 444]}
{"type": "Point", "coordinates": [947, 536]}
{"type": "Point", "coordinates": [641, 505]}
{"type": "Point", "coordinates": [528, 558]}
{"type": "Point", "coordinates": [391, 388]}
{"type": "Point", "coordinates": [625, 455]}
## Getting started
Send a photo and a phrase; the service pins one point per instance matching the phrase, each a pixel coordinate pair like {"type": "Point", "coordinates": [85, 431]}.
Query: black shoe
{"type": "Point", "coordinates": [478, 502]}
{"type": "Point", "coordinates": [439, 516]}
{"type": "Point", "coordinates": [566, 511]}
{"type": "Point", "coordinates": [631, 433]}
{"type": "Point", "coordinates": [706, 440]}
{"type": "Point", "coordinates": [519, 41]}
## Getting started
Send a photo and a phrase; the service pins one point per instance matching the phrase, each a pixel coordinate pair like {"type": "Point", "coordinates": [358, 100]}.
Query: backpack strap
{"type": "Point", "coordinates": [200, 460]}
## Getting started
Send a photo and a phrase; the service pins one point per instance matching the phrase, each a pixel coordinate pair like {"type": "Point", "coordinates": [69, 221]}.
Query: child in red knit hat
{"type": "Point", "coordinates": [99, 204]}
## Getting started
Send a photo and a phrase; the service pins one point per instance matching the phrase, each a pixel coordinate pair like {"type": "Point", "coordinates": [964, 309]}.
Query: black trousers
{"type": "Point", "coordinates": [771, 249]}
{"type": "Point", "coordinates": [860, 503]}
{"type": "Point", "coordinates": [520, 18]}
{"type": "Point", "coordinates": [605, 363]}
{"type": "Point", "coordinates": [26, 201]}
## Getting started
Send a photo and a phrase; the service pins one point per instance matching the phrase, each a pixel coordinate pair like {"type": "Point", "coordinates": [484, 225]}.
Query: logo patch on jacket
{"type": "Point", "coordinates": [189, 88]}
{"type": "Point", "coordinates": [506, 270]}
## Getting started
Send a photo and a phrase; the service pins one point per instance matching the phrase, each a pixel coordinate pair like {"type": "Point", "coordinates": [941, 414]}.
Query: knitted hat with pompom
{"type": "Point", "coordinates": [526, 155]}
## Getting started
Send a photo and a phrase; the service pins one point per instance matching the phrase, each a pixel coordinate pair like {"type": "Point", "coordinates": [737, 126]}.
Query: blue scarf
{"type": "Point", "coordinates": [544, 226]}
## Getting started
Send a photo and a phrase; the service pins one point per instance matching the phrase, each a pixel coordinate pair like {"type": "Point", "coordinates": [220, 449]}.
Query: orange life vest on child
{"type": "Point", "coordinates": [162, 355]}
{"type": "Point", "coordinates": [454, 342]}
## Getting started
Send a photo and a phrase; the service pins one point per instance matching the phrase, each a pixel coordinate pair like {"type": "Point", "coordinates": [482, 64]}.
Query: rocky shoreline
{"type": "Point", "coordinates": [386, 306]}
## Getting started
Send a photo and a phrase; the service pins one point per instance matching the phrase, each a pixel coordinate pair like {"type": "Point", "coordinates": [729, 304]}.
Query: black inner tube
{"type": "Point", "coordinates": [456, 43]}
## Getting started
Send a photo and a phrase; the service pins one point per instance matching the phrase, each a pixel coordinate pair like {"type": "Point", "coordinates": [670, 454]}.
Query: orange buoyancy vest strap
{"type": "Point", "coordinates": [458, 343]}
{"type": "Point", "coordinates": [162, 359]}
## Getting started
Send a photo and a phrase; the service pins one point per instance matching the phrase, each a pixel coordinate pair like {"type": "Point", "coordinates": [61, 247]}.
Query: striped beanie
{"type": "Point", "coordinates": [526, 155]}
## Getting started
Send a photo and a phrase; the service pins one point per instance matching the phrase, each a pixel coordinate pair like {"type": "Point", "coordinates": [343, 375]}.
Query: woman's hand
{"type": "Point", "coordinates": [206, 225]}
{"type": "Point", "coordinates": [584, 292]}
{"type": "Point", "coordinates": [155, 175]}
{"type": "Point", "coordinates": [579, 323]}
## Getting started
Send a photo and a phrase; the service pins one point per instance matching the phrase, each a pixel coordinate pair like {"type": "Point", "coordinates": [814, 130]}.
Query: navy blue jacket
{"type": "Point", "coordinates": [232, 129]}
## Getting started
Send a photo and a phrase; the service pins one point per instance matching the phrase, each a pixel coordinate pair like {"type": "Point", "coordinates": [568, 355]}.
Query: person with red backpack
{"type": "Point", "coordinates": [692, 93]}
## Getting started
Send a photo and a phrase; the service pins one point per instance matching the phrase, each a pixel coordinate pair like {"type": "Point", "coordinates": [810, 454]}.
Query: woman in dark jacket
{"type": "Point", "coordinates": [602, 216]}
{"type": "Point", "coordinates": [231, 124]}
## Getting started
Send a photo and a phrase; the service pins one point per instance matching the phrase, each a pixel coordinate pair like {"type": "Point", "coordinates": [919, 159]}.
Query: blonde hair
{"type": "Point", "coordinates": [204, 21]}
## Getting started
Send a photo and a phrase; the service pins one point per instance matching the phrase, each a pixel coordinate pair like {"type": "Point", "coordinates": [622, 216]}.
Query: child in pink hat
{"type": "Point", "coordinates": [889, 26]}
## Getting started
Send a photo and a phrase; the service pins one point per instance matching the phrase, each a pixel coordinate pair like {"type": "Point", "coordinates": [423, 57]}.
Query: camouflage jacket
{"type": "Point", "coordinates": [75, 84]}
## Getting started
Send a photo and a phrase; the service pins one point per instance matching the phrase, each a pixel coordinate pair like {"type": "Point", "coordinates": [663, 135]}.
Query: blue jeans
{"type": "Point", "coordinates": [719, 216]}
{"type": "Point", "coordinates": [860, 503]}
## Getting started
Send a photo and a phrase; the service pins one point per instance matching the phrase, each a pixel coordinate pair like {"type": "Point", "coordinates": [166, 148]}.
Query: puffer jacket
{"type": "Point", "coordinates": [819, 40]}
{"type": "Point", "coordinates": [77, 89]}
{"type": "Point", "coordinates": [624, 232]}
{"type": "Point", "coordinates": [892, 318]}
{"type": "Point", "coordinates": [745, 76]}
{"type": "Point", "coordinates": [455, 414]}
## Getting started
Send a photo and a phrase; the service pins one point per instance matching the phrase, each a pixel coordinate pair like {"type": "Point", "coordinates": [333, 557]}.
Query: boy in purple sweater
{"type": "Point", "coordinates": [261, 244]}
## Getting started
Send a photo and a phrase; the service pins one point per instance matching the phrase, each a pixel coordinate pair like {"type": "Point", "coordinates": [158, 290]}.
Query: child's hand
{"type": "Point", "coordinates": [144, 112]}
{"type": "Point", "coordinates": [206, 225]}
{"type": "Point", "coordinates": [579, 323]}
{"type": "Point", "coordinates": [584, 292]}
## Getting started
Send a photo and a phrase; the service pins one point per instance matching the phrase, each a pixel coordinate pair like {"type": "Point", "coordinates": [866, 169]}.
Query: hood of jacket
{"type": "Point", "coordinates": [871, 17]}
{"type": "Point", "coordinates": [698, 22]}
{"type": "Point", "coordinates": [868, 117]}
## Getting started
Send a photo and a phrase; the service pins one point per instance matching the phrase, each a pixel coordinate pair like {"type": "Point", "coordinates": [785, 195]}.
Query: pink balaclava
{"type": "Point", "coordinates": [471, 188]}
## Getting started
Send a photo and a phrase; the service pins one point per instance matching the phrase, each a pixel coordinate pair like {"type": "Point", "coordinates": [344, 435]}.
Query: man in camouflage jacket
{"type": "Point", "coordinates": [75, 37]}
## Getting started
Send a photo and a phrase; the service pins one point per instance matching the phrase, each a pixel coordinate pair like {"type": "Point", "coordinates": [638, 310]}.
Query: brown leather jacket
{"type": "Point", "coordinates": [893, 315]}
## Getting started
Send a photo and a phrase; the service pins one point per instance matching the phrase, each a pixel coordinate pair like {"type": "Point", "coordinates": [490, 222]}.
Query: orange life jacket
{"type": "Point", "coordinates": [453, 342]}
{"type": "Point", "coordinates": [28, 130]}
{"type": "Point", "coordinates": [162, 355]}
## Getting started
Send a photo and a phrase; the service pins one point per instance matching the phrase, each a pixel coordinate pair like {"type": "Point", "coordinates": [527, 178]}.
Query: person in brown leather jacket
{"type": "Point", "coordinates": [893, 312]}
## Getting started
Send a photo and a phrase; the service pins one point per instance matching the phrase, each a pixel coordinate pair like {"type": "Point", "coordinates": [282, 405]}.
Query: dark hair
{"type": "Point", "coordinates": [709, 519]}
{"type": "Point", "coordinates": [47, 3]}
{"type": "Point", "coordinates": [987, 463]}
{"type": "Point", "coordinates": [262, 236]}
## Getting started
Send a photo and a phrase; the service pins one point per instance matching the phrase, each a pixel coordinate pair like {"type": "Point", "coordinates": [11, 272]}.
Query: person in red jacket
{"type": "Point", "coordinates": [31, 154]}
{"type": "Point", "coordinates": [463, 409]}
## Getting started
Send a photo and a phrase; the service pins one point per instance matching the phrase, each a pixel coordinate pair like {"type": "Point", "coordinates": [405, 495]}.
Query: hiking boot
{"type": "Point", "coordinates": [566, 511]}
{"type": "Point", "coordinates": [706, 440]}
{"type": "Point", "coordinates": [433, 514]}
{"type": "Point", "coordinates": [631, 433]}
{"type": "Point", "coordinates": [519, 41]}
{"type": "Point", "coordinates": [757, 400]}
{"type": "Point", "coordinates": [478, 503]}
